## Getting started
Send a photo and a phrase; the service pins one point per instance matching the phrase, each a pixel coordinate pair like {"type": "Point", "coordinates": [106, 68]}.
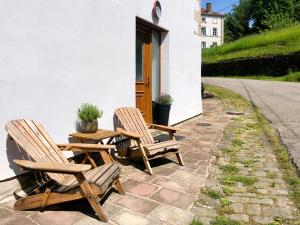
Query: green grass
{"type": "Point", "coordinates": [228, 191]}
{"type": "Point", "coordinates": [245, 180]}
{"type": "Point", "coordinates": [283, 41]}
{"type": "Point", "coordinates": [291, 77]}
{"type": "Point", "coordinates": [224, 221]}
{"type": "Point", "coordinates": [225, 202]}
{"type": "Point", "coordinates": [196, 222]}
{"type": "Point", "coordinates": [230, 169]}
{"type": "Point", "coordinates": [214, 194]}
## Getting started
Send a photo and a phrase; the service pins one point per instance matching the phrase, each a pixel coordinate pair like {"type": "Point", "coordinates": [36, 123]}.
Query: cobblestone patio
{"type": "Point", "coordinates": [176, 195]}
{"type": "Point", "coordinates": [164, 198]}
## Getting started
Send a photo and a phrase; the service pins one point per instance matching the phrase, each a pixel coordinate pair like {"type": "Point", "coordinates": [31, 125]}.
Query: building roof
{"type": "Point", "coordinates": [204, 12]}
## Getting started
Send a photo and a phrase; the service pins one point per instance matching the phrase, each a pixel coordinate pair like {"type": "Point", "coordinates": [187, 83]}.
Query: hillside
{"type": "Point", "coordinates": [284, 41]}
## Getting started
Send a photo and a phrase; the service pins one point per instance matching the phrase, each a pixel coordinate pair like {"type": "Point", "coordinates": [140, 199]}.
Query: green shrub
{"type": "Point", "coordinates": [165, 99]}
{"type": "Point", "coordinates": [88, 112]}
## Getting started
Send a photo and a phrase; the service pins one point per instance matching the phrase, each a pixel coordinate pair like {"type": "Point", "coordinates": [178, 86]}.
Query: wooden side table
{"type": "Point", "coordinates": [97, 137]}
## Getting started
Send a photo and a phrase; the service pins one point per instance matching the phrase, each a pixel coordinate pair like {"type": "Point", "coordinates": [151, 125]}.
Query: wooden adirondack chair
{"type": "Point", "coordinates": [68, 181]}
{"type": "Point", "coordinates": [130, 122]}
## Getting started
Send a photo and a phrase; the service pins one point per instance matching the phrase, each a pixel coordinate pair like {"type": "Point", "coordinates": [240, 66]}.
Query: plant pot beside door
{"type": "Point", "coordinates": [87, 118]}
{"type": "Point", "coordinates": [163, 108]}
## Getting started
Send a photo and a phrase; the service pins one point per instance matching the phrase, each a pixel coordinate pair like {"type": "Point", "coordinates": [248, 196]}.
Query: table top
{"type": "Point", "coordinates": [98, 136]}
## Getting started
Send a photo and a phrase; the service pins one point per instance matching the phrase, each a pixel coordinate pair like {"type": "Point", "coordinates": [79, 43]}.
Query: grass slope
{"type": "Point", "coordinates": [269, 43]}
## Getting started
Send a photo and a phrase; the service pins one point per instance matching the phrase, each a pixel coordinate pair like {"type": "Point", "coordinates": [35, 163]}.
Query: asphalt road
{"type": "Point", "coordinates": [280, 103]}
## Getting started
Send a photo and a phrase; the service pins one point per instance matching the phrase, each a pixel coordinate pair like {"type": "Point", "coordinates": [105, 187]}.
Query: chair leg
{"type": "Point", "coordinates": [144, 157]}
{"type": "Point", "coordinates": [179, 158]}
{"type": "Point", "coordinates": [91, 197]}
{"type": "Point", "coordinates": [119, 187]}
{"type": "Point", "coordinates": [147, 164]}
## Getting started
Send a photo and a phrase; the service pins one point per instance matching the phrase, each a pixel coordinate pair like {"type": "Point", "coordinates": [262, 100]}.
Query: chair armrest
{"type": "Point", "coordinates": [163, 128]}
{"type": "Point", "coordinates": [80, 147]}
{"type": "Point", "coordinates": [53, 167]}
{"type": "Point", "coordinates": [129, 134]}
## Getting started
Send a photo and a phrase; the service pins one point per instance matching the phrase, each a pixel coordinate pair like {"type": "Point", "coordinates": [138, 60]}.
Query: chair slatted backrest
{"type": "Point", "coordinates": [34, 140]}
{"type": "Point", "coordinates": [131, 119]}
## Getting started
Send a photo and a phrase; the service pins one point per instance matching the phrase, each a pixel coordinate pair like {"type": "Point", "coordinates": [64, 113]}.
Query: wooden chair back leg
{"type": "Point", "coordinates": [119, 187]}
{"type": "Point", "coordinates": [179, 158]}
{"type": "Point", "coordinates": [91, 197]}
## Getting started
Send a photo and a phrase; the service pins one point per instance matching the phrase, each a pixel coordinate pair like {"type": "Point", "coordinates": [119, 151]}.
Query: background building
{"type": "Point", "coordinates": [212, 27]}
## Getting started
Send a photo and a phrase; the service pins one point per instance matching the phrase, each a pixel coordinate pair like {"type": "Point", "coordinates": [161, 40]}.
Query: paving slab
{"type": "Point", "coordinates": [173, 198]}
{"type": "Point", "coordinates": [139, 188]}
{"type": "Point", "coordinates": [172, 215]}
{"type": "Point", "coordinates": [126, 218]}
{"type": "Point", "coordinates": [136, 204]}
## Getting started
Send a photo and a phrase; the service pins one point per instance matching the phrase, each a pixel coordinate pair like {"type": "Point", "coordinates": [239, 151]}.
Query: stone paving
{"type": "Point", "coordinates": [280, 103]}
{"type": "Point", "coordinates": [235, 177]}
{"type": "Point", "coordinates": [164, 198]}
{"type": "Point", "coordinates": [245, 182]}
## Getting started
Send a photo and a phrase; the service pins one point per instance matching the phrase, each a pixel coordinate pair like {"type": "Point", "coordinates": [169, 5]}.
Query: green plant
{"type": "Point", "coordinates": [213, 194]}
{"type": "Point", "coordinates": [196, 222]}
{"type": "Point", "coordinates": [271, 175]}
{"type": "Point", "coordinates": [273, 184]}
{"type": "Point", "coordinates": [227, 191]}
{"type": "Point", "coordinates": [225, 202]}
{"type": "Point", "coordinates": [88, 112]}
{"type": "Point", "coordinates": [245, 180]}
{"type": "Point", "coordinates": [230, 169]}
{"type": "Point", "coordinates": [237, 143]}
{"type": "Point", "coordinates": [220, 220]}
{"type": "Point", "coordinates": [165, 99]}
{"type": "Point", "coordinates": [248, 162]}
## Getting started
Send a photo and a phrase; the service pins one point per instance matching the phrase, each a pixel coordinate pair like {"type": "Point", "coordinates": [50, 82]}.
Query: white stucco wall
{"type": "Point", "coordinates": [56, 54]}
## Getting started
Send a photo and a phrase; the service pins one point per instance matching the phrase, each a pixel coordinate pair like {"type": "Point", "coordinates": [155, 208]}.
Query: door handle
{"type": "Point", "coordinates": [147, 83]}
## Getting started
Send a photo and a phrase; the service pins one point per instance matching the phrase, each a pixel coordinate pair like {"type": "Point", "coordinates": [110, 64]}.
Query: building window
{"type": "Point", "coordinates": [203, 31]}
{"type": "Point", "coordinates": [215, 32]}
{"type": "Point", "coordinates": [203, 44]}
{"type": "Point", "coordinates": [214, 44]}
{"type": "Point", "coordinates": [203, 19]}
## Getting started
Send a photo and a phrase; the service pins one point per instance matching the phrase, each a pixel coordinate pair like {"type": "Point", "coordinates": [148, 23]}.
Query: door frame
{"type": "Point", "coordinates": [145, 25]}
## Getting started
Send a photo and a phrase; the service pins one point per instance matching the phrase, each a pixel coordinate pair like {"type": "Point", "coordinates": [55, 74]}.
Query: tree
{"type": "Point", "coordinates": [297, 10]}
{"type": "Point", "coordinates": [271, 14]}
{"type": "Point", "coordinates": [254, 16]}
{"type": "Point", "coordinates": [237, 22]}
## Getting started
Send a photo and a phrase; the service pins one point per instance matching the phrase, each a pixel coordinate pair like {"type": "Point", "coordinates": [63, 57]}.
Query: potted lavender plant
{"type": "Point", "coordinates": [163, 107]}
{"type": "Point", "coordinates": [87, 118]}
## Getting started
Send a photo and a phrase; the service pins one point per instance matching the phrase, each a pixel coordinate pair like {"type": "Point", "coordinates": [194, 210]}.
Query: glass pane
{"type": "Point", "coordinates": [155, 64]}
{"type": "Point", "coordinates": [139, 61]}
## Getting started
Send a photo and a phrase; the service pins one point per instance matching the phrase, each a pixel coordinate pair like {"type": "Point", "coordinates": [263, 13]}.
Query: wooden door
{"type": "Point", "coordinates": [144, 72]}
